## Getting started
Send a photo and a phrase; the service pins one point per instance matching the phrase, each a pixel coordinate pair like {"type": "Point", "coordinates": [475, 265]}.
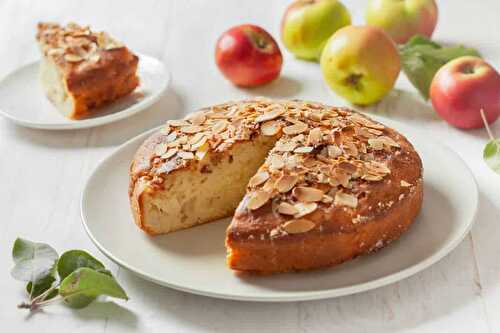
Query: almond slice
{"type": "Point", "coordinates": [303, 150]}
{"type": "Point", "coordinates": [219, 126]}
{"type": "Point", "coordinates": [270, 115]}
{"type": "Point", "coordinates": [307, 194]}
{"type": "Point", "coordinates": [296, 128]}
{"type": "Point", "coordinates": [286, 183]}
{"type": "Point", "coordinates": [191, 129]}
{"type": "Point", "coordinates": [177, 122]}
{"type": "Point", "coordinates": [287, 209]}
{"type": "Point", "coordinates": [298, 226]}
{"type": "Point", "coordinates": [334, 151]}
{"type": "Point", "coordinates": [258, 199]}
{"type": "Point", "coordinates": [160, 149]}
{"type": "Point", "coordinates": [285, 146]}
{"type": "Point", "coordinates": [315, 136]}
{"type": "Point", "coordinates": [197, 118]}
{"type": "Point", "coordinates": [345, 199]}
{"type": "Point", "coordinates": [171, 152]}
{"type": "Point", "coordinates": [185, 155]}
{"type": "Point", "coordinates": [270, 128]}
{"type": "Point", "coordinates": [376, 144]}
{"type": "Point", "coordinates": [276, 162]}
{"type": "Point", "coordinates": [304, 209]}
{"type": "Point", "coordinates": [404, 183]}
{"type": "Point", "coordinates": [258, 178]}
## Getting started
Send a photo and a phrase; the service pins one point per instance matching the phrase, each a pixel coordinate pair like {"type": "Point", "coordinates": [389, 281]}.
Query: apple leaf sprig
{"type": "Point", "coordinates": [421, 58]}
{"type": "Point", "coordinates": [76, 277]}
{"type": "Point", "coordinates": [491, 152]}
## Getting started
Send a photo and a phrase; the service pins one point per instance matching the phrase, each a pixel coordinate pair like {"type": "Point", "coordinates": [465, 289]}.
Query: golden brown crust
{"type": "Point", "coordinates": [333, 176]}
{"type": "Point", "coordinates": [96, 69]}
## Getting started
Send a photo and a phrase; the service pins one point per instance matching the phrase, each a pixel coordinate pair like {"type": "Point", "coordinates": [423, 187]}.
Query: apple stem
{"type": "Point", "coordinates": [486, 125]}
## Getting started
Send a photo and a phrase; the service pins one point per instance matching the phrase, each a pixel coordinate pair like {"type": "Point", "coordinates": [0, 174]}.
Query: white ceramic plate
{"type": "Point", "coordinates": [194, 260]}
{"type": "Point", "coordinates": [23, 101]}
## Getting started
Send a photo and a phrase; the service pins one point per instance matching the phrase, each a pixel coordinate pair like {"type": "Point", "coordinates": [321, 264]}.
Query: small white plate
{"type": "Point", "coordinates": [194, 260]}
{"type": "Point", "coordinates": [23, 101]}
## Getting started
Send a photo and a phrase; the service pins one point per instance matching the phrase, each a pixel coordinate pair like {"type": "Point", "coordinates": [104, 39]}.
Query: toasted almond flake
{"type": "Point", "coordinates": [197, 137]}
{"type": "Point", "coordinates": [295, 128]}
{"type": "Point", "coordinates": [287, 209]}
{"type": "Point", "coordinates": [350, 149]}
{"type": "Point", "coordinates": [327, 199]}
{"type": "Point", "coordinates": [219, 126]}
{"type": "Point", "coordinates": [345, 199]}
{"type": "Point", "coordinates": [285, 146]}
{"type": "Point", "coordinates": [274, 233]}
{"type": "Point", "coordinates": [270, 115]}
{"type": "Point", "coordinates": [379, 167]}
{"type": "Point", "coordinates": [270, 128]}
{"type": "Point", "coordinates": [286, 182]}
{"type": "Point", "coordinates": [276, 162]}
{"type": "Point", "coordinates": [315, 136]}
{"type": "Point", "coordinates": [298, 226]}
{"type": "Point", "coordinates": [404, 183]}
{"type": "Point", "coordinates": [346, 166]}
{"type": "Point", "coordinates": [169, 153]}
{"type": "Point", "coordinates": [185, 155]}
{"type": "Point", "coordinates": [160, 149]}
{"type": "Point", "coordinates": [200, 143]}
{"type": "Point", "coordinates": [258, 199]}
{"type": "Point", "coordinates": [177, 122]}
{"type": "Point", "coordinates": [191, 129]}
{"type": "Point", "coordinates": [376, 144]}
{"type": "Point", "coordinates": [304, 208]}
{"type": "Point", "coordinates": [388, 141]}
{"type": "Point", "coordinates": [303, 150]}
{"type": "Point", "coordinates": [334, 151]}
{"type": "Point", "coordinates": [72, 57]}
{"type": "Point", "coordinates": [171, 137]}
{"type": "Point", "coordinates": [197, 118]}
{"type": "Point", "coordinates": [375, 131]}
{"type": "Point", "coordinates": [307, 194]}
{"type": "Point", "coordinates": [258, 178]}
{"type": "Point", "coordinates": [372, 177]}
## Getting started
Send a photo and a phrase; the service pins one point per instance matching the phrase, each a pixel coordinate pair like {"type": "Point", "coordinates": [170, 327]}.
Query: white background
{"type": "Point", "coordinates": [42, 174]}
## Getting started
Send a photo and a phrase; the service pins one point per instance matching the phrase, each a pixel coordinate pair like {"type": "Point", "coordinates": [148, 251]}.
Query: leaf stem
{"type": "Point", "coordinates": [486, 125]}
{"type": "Point", "coordinates": [43, 295]}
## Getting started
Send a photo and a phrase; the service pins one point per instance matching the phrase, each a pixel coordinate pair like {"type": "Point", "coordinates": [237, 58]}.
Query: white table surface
{"type": "Point", "coordinates": [43, 173]}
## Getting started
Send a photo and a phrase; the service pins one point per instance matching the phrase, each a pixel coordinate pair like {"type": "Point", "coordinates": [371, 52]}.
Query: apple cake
{"type": "Point", "coordinates": [82, 70]}
{"type": "Point", "coordinates": [309, 185]}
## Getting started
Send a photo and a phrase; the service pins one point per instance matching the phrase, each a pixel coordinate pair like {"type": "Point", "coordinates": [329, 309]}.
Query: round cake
{"type": "Point", "coordinates": [309, 185]}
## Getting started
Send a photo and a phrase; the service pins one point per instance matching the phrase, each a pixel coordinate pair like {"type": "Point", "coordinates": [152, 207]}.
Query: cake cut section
{"type": "Point", "coordinates": [315, 185]}
{"type": "Point", "coordinates": [82, 70]}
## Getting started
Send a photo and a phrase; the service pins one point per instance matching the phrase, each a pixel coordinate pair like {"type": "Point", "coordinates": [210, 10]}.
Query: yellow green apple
{"type": "Point", "coordinates": [402, 19]}
{"type": "Point", "coordinates": [360, 63]}
{"type": "Point", "coordinates": [307, 25]}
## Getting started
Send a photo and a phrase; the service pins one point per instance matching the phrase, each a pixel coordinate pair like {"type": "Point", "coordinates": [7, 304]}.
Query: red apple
{"type": "Point", "coordinates": [464, 86]}
{"type": "Point", "coordinates": [248, 56]}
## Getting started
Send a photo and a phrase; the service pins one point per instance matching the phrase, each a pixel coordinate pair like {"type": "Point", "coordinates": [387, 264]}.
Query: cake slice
{"type": "Point", "coordinates": [82, 70]}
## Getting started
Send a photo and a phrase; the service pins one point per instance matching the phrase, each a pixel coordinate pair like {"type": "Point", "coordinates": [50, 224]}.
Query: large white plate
{"type": "Point", "coordinates": [194, 260]}
{"type": "Point", "coordinates": [23, 101]}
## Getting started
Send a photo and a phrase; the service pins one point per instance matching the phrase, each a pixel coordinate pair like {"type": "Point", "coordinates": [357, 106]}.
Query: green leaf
{"type": "Point", "coordinates": [421, 58]}
{"type": "Point", "coordinates": [42, 285]}
{"type": "Point", "coordinates": [74, 259]}
{"type": "Point", "coordinates": [82, 286]}
{"type": "Point", "coordinates": [33, 261]}
{"type": "Point", "coordinates": [491, 155]}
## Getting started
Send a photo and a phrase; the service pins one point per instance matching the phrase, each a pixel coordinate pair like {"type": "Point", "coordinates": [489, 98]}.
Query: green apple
{"type": "Point", "coordinates": [402, 19]}
{"type": "Point", "coordinates": [361, 64]}
{"type": "Point", "coordinates": [307, 25]}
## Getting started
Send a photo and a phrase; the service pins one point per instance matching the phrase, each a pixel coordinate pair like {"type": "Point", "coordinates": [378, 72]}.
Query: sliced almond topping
{"type": "Point", "coordinates": [197, 137]}
{"type": "Point", "coordinates": [270, 128]}
{"type": "Point", "coordinates": [304, 208]}
{"type": "Point", "coordinates": [72, 57]}
{"type": "Point", "coordinates": [191, 129]}
{"type": "Point", "coordinates": [346, 166]}
{"type": "Point", "coordinates": [287, 209]}
{"type": "Point", "coordinates": [307, 194]}
{"type": "Point", "coordinates": [345, 199]}
{"type": "Point", "coordinates": [286, 183]}
{"type": "Point", "coordinates": [169, 153]}
{"type": "Point", "coordinates": [295, 128]}
{"type": "Point", "coordinates": [388, 141]}
{"type": "Point", "coordinates": [303, 150]}
{"type": "Point", "coordinates": [276, 162]}
{"type": "Point", "coordinates": [298, 226]}
{"type": "Point", "coordinates": [200, 143]}
{"type": "Point", "coordinates": [378, 167]}
{"type": "Point", "coordinates": [376, 144]}
{"type": "Point", "coordinates": [160, 149]}
{"type": "Point", "coordinates": [286, 146]}
{"type": "Point", "coordinates": [371, 177]}
{"type": "Point", "coordinates": [334, 151]}
{"type": "Point", "coordinates": [258, 178]}
{"type": "Point", "coordinates": [404, 183]}
{"type": "Point", "coordinates": [327, 199]}
{"type": "Point", "coordinates": [171, 137]}
{"type": "Point", "coordinates": [185, 155]}
{"type": "Point", "coordinates": [219, 126]}
{"type": "Point", "coordinates": [258, 199]}
{"type": "Point", "coordinates": [197, 118]}
{"type": "Point", "coordinates": [270, 115]}
{"type": "Point", "coordinates": [315, 136]}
